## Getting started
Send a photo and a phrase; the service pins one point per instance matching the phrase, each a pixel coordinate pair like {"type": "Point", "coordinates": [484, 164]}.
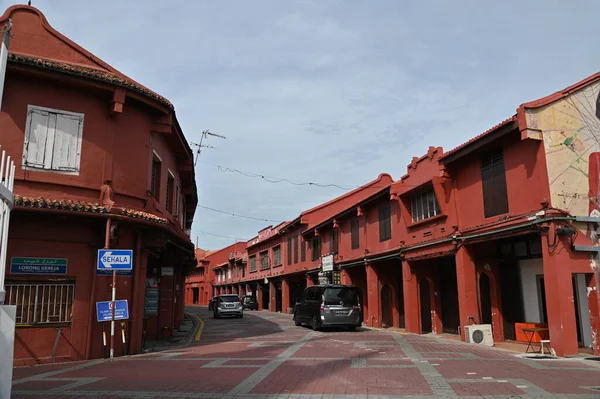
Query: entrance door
{"type": "Point", "coordinates": [265, 296]}
{"type": "Point", "coordinates": [425, 300]}
{"type": "Point", "coordinates": [400, 294]}
{"type": "Point", "coordinates": [278, 297]}
{"type": "Point", "coordinates": [387, 319]}
{"type": "Point", "coordinates": [485, 299]}
{"type": "Point", "coordinates": [582, 310]}
{"type": "Point", "coordinates": [449, 296]}
{"type": "Point", "coordinates": [196, 295]}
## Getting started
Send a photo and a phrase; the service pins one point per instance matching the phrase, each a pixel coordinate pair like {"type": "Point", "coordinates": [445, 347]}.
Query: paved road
{"type": "Point", "coordinates": [265, 356]}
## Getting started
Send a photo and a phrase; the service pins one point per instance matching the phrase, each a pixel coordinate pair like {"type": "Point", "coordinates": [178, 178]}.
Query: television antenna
{"type": "Point", "coordinates": [200, 146]}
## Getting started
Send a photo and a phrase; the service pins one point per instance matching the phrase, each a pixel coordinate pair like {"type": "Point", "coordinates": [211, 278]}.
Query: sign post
{"type": "Point", "coordinates": [114, 259]}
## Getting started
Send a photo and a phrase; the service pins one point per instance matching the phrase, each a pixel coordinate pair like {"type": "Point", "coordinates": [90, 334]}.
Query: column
{"type": "Point", "coordinates": [285, 295]}
{"type": "Point", "coordinates": [372, 319]}
{"type": "Point", "coordinates": [345, 276]}
{"type": "Point", "coordinates": [249, 290]}
{"type": "Point", "coordinates": [234, 289]}
{"type": "Point", "coordinates": [272, 296]}
{"type": "Point", "coordinates": [259, 296]}
{"type": "Point", "coordinates": [436, 304]}
{"type": "Point", "coordinates": [136, 323]}
{"type": "Point", "coordinates": [309, 280]}
{"type": "Point", "coordinates": [412, 308]}
{"type": "Point", "coordinates": [466, 279]}
{"type": "Point", "coordinates": [559, 295]}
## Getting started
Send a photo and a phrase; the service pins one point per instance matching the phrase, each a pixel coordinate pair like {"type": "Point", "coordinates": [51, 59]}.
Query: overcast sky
{"type": "Point", "coordinates": [329, 91]}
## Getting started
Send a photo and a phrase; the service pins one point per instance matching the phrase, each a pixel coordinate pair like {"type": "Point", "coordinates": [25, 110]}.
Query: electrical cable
{"type": "Point", "coordinates": [219, 236]}
{"type": "Point", "coordinates": [239, 216]}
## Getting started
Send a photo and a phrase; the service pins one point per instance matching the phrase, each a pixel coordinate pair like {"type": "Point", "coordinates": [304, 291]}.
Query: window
{"type": "Point", "coordinates": [229, 273]}
{"type": "Point", "coordinates": [333, 241]}
{"type": "Point", "coordinates": [264, 260]}
{"type": "Point", "coordinates": [316, 248]}
{"type": "Point", "coordinates": [43, 303]}
{"type": "Point", "coordinates": [296, 248]}
{"type": "Point", "coordinates": [289, 250]}
{"type": "Point", "coordinates": [52, 140]}
{"type": "Point", "coordinates": [169, 201]}
{"type": "Point", "coordinates": [302, 250]}
{"type": "Point", "coordinates": [277, 255]}
{"type": "Point", "coordinates": [176, 201]}
{"type": "Point", "coordinates": [354, 232]}
{"type": "Point", "coordinates": [253, 263]}
{"type": "Point", "coordinates": [155, 178]}
{"type": "Point", "coordinates": [385, 223]}
{"type": "Point", "coordinates": [493, 177]}
{"type": "Point", "coordinates": [244, 270]}
{"type": "Point", "coordinates": [424, 205]}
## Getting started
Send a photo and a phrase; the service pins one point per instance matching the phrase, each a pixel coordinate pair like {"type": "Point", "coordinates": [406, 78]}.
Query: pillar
{"type": "Point", "coordinates": [436, 304]}
{"type": "Point", "coordinates": [373, 319]}
{"type": "Point", "coordinates": [345, 276]}
{"type": "Point", "coordinates": [259, 297]}
{"type": "Point", "coordinates": [309, 280]}
{"type": "Point", "coordinates": [594, 305]}
{"type": "Point", "coordinates": [136, 322]}
{"type": "Point", "coordinates": [559, 294]}
{"type": "Point", "coordinates": [466, 281]}
{"type": "Point", "coordinates": [234, 289]}
{"type": "Point", "coordinates": [249, 290]}
{"type": "Point", "coordinates": [285, 295]}
{"type": "Point", "coordinates": [272, 296]}
{"type": "Point", "coordinates": [412, 307]}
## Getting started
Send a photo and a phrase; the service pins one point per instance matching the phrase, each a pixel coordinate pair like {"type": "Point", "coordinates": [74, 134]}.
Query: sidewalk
{"type": "Point", "coordinates": [188, 329]}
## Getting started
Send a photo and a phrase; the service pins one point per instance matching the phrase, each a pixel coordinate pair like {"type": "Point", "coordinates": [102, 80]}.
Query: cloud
{"type": "Point", "coordinates": [330, 91]}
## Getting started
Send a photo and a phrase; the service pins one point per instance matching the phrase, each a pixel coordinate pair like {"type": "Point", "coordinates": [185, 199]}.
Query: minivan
{"type": "Point", "coordinates": [329, 305]}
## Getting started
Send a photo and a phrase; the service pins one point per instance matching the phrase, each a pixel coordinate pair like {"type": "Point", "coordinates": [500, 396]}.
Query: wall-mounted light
{"type": "Point", "coordinates": [335, 224]}
{"type": "Point", "coordinates": [359, 211]}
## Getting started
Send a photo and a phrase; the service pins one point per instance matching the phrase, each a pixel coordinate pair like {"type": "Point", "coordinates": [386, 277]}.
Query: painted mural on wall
{"type": "Point", "coordinates": [571, 131]}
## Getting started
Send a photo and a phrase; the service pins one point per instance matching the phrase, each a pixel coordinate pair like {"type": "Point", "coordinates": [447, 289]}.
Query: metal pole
{"type": "Point", "coordinates": [112, 322]}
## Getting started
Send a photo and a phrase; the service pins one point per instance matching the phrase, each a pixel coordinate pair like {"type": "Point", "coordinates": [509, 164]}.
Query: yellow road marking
{"type": "Point", "coordinates": [199, 332]}
{"type": "Point", "coordinates": [388, 331]}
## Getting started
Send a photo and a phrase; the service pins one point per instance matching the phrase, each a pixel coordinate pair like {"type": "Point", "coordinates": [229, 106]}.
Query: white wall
{"type": "Point", "coordinates": [584, 310]}
{"type": "Point", "coordinates": [7, 339]}
{"type": "Point", "coordinates": [529, 268]}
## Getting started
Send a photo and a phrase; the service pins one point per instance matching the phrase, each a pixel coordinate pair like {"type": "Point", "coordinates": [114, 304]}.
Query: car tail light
{"type": "Point", "coordinates": [357, 307]}
{"type": "Point", "coordinates": [322, 306]}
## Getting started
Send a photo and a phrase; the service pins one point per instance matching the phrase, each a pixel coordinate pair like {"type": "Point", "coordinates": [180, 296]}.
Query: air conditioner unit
{"type": "Point", "coordinates": [479, 334]}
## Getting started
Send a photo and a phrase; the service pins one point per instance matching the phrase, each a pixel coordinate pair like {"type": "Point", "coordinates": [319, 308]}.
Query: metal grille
{"type": "Point", "coordinates": [41, 303]}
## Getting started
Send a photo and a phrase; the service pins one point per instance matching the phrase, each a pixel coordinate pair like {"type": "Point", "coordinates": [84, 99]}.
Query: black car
{"type": "Point", "coordinates": [211, 303]}
{"type": "Point", "coordinates": [249, 302]}
{"type": "Point", "coordinates": [329, 305]}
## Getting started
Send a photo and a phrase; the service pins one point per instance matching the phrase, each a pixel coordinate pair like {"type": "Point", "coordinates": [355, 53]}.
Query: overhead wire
{"type": "Point", "coordinates": [219, 236]}
{"type": "Point", "coordinates": [238, 215]}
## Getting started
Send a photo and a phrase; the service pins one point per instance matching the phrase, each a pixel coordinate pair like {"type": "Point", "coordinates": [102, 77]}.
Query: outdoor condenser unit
{"type": "Point", "coordinates": [479, 334]}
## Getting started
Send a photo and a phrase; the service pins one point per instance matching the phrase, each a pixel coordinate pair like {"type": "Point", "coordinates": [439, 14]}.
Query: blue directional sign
{"type": "Point", "coordinates": [104, 310]}
{"type": "Point", "coordinates": [114, 259]}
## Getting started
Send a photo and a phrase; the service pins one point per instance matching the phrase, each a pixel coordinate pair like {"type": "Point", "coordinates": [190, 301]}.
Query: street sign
{"type": "Point", "coordinates": [38, 265]}
{"type": "Point", "coordinates": [113, 259]}
{"type": "Point", "coordinates": [104, 310]}
{"type": "Point", "coordinates": [327, 263]}
{"type": "Point", "coordinates": [109, 272]}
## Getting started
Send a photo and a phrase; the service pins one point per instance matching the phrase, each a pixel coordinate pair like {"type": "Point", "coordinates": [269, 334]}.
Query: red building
{"type": "Point", "coordinates": [102, 163]}
{"type": "Point", "coordinates": [502, 230]}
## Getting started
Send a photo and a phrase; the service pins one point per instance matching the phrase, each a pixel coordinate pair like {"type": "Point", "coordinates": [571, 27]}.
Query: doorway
{"type": "Point", "coordinates": [387, 320]}
{"type": "Point", "coordinates": [485, 299]}
{"type": "Point", "coordinates": [265, 296]}
{"type": "Point", "coordinates": [400, 297]}
{"type": "Point", "coordinates": [425, 300]}
{"type": "Point", "coordinates": [278, 297]}
{"type": "Point", "coordinates": [582, 310]}
{"type": "Point", "coordinates": [195, 295]}
{"type": "Point", "coordinates": [449, 297]}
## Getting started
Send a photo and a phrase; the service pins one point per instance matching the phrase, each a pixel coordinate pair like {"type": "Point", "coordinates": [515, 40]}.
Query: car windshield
{"type": "Point", "coordinates": [231, 298]}
{"type": "Point", "coordinates": [248, 299]}
{"type": "Point", "coordinates": [339, 296]}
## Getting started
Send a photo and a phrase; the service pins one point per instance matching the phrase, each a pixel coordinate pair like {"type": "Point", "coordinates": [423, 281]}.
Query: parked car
{"type": "Point", "coordinates": [211, 303]}
{"type": "Point", "coordinates": [328, 306]}
{"type": "Point", "coordinates": [249, 302]}
{"type": "Point", "coordinates": [228, 305]}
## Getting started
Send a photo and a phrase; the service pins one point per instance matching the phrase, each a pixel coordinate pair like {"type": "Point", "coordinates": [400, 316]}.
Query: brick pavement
{"type": "Point", "coordinates": [265, 356]}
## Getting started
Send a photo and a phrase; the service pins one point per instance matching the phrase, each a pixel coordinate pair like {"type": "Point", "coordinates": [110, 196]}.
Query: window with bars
{"type": "Point", "coordinates": [169, 201]}
{"type": "Point", "coordinates": [316, 249]}
{"type": "Point", "coordinates": [493, 177]}
{"type": "Point", "coordinates": [264, 260]}
{"type": "Point", "coordinates": [354, 233]}
{"type": "Point", "coordinates": [424, 205]}
{"type": "Point", "coordinates": [253, 263]}
{"type": "Point", "coordinates": [385, 223]}
{"type": "Point", "coordinates": [277, 255]}
{"type": "Point", "coordinates": [43, 303]}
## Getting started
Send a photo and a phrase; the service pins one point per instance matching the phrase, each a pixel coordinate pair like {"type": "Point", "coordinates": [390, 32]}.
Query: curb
{"type": "Point", "coordinates": [196, 330]}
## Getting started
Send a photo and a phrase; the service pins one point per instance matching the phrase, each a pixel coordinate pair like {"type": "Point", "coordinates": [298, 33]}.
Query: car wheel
{"type": "Point", "coordinates": [297, 320]}
{"type": "Point", "coordinates": [315, 323]}
{"type": "Point", "coordinates": [241, 316]}
{"type": "Point", "coordinates": [216, 315]}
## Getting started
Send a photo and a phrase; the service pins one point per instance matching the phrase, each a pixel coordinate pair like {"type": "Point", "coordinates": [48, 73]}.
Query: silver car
{"type": "Point", "coordinates": [228, 305]}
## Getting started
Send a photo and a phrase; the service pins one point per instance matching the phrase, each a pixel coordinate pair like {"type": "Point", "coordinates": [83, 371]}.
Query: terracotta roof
{"type": "Point", "coordinates": [82, 206]}
{"type": "Point", "coordinates": [562, 93]}
{"type": "Point", "coordinates": [480, 136]}
{"type": "Point", "coordinates": [89, 73]}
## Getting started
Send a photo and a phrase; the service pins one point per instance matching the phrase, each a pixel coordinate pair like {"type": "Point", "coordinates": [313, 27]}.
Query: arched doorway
{"type": "Point", "coordinates": [485, 299]}
{"type": "Point", "coordinates": [387, 319]}
{"type": "Point", "coordinates": [425, 300]}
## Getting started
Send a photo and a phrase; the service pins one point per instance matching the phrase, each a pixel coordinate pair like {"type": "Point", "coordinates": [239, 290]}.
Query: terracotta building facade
{"type": "Point", "coordinates": [101, 163]}
{"type": "Point", "coordinates": [502, 231]}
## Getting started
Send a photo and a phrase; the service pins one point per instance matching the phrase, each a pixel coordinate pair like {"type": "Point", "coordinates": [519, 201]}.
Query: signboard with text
{"type": "Point", "coordinates": [104, 310]}
{"type": "Point", "coordinates": [115, 259]}
{"type": "Point", "coordinates": [327, 263]}
{"type": "Point", "coordinates": [38, 266]}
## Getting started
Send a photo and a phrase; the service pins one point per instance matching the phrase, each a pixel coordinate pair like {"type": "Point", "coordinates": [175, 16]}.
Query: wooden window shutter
{"type": "Point", "coordinates": [493, 180]}
{"type": "Point", "coordinates": [66, 139]}
{"type": "Point", "coordinates": [35, 138]}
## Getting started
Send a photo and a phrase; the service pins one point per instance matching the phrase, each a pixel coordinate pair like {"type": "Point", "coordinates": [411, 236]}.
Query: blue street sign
{"type": "Point", "coordinates": [109, 272]}
{"type": "Point", "coordinates": [113, 259]}
{"type": "Point", "coordinates": [104, 310]}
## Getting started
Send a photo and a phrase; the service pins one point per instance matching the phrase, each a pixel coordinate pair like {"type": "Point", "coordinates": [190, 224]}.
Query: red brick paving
{"type": "Point", "coordinates": [485, 388]}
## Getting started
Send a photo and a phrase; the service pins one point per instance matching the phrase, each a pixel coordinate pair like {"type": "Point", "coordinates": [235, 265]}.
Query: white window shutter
{"type": "Point", "coordinates": [67, 138]}
{"type": "Point", "coordinates": [36, 138]}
